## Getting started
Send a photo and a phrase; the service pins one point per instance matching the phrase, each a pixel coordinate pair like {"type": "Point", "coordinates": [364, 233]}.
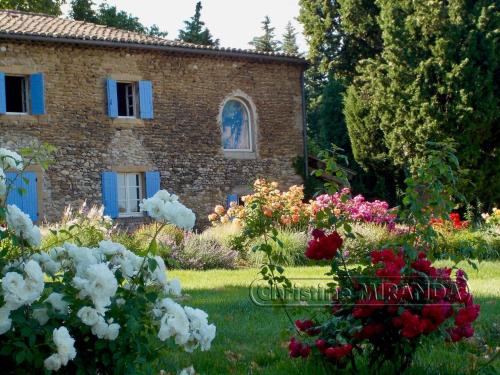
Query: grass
{"type": "Point", "coordinates": [252, 339]}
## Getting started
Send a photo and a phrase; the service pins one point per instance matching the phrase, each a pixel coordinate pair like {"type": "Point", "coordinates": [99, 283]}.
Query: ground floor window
{"type": "Point", "coordinates": [130, 193]}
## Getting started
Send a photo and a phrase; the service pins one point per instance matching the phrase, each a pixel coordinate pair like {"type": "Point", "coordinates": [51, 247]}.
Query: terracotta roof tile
{"type": "Point", "coordinates": [17, 23]}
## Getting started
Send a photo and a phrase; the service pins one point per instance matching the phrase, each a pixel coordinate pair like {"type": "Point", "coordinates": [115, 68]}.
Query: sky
{"type": "Point", "coordinates": [234, 22]}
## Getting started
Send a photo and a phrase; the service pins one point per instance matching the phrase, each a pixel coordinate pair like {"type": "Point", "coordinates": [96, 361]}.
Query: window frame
{"type": "Point", "coordinates": [250, 127]}
{"type": "Point", "coordinates": [135, 99]}
{"type": "Point", "coordinates": [25, 95]}
{"type": "Point", "coordinates": [127, 199]}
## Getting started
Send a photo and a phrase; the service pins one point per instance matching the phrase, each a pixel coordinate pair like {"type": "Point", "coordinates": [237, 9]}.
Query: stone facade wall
{"type": "Point", "coordinates": [182, 142]}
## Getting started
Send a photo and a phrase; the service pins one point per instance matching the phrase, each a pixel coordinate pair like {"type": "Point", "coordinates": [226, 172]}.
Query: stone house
{"type": "Point", "coordinates": [130, 114]}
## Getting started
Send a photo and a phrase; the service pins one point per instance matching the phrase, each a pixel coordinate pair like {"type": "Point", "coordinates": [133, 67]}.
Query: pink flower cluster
{"type": "Point", "coordinates": [357, 208]}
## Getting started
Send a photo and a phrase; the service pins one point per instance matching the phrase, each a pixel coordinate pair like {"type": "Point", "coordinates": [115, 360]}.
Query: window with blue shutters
{"type": "Point", "coordinates": [21, 94]}
{"type": "Point", "coordinates": [23, 192]}
{"type": "Point", "coordinates": [123, 192]}
{"type": "Point", "coordinates": [130, 99]}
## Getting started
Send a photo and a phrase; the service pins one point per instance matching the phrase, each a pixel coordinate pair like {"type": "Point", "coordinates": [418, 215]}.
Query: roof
{"type": "Point", "coordinates": [41, 27]}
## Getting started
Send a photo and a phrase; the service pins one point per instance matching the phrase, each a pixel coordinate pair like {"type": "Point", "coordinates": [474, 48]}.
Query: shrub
{"type": "Point", "coordinates": [202, 252]}
{"type": "Point", "coordinates": [285, 209]}
{"type": "Point", "coordinates": [90, 310]}
{"type": "Point", "coordinates": [224, 233]}
{"type": "Point", "coordinates": [356, 209]}
{"type": "Point", "coordinates": [368, 236]}
{"type": "Point", "coordinates": [290, 254]}
{"type": "Point", "coordinates": [85, 227]}
{"type": "Point", "coordinates": [480, 244]}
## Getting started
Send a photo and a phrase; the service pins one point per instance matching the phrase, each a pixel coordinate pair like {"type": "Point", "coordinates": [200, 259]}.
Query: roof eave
{"type": "Point", "coordinates": [176, 49]}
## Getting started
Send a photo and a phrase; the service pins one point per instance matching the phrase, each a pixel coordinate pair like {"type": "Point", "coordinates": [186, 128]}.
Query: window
{"type": "Point", "coordinates": [123, 191]}
{"type": "Point", "coordinates": [15, 94]}
{"type": "Point", "coordinates": [22, 94]}
{"type": "Point", "coordinates": [126, 99]}
{"type": "Point", "coordinates": [130, 193]}
{"type": "Point", "coordinates": [130, 99]}
{"type": "Point", "coordinates": [236, 126]}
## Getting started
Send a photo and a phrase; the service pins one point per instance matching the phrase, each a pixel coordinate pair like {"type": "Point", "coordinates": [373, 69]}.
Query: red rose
{"type": "Point", "coordinates": [321, 345]}
{"type": "Point", "coordinates": [297, 349]}
{"type": "Point", "coordinates": [323, 246]}
{"type": "Point", "coordinates": [467, 315]}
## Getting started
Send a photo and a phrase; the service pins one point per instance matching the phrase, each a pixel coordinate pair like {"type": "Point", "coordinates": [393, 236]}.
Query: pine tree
{"type": "Point", "coordinates": [434, 80]}
{"type": "Point", "coordinates": [195, 31]}
{"type": "Point", "coordinates": [266, 42]}
{"type": "Point", "coordinates": [289, 44]}
{"type": "Point", "coordinates": [81, 10]}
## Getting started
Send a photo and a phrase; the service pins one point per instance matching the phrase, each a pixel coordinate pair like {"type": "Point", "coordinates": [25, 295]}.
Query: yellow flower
{"type": "Point", "coordinates": [213, 217]}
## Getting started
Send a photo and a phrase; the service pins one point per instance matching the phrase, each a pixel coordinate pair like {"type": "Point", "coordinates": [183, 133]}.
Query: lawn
{"type": "Point", "coordinates": [253, 340]}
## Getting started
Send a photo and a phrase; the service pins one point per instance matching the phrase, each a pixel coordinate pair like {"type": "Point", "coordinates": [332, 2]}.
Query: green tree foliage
{"type": "Point", "coordinates": [266, 42]}
{"type": "Point", "coordinates": [289, 44]}
{"type": "Point", "coordinates": [84, 10]}
{"type": "Point", "coordinates": [437, 77]}
{"type": "Point", "coordinates": [111, 16]}
{"type": "Point", "coordinates": [340, 33]}
{"type": "Point", "coordinates": [195, 30]}
{"type": "Point", "coordinates": [52, 7]}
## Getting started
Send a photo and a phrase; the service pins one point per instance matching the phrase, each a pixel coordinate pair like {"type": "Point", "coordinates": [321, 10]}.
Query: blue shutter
{"type": "Point", "coordinates": [110, 194]}
{"type": "Point", "coordinates": [232, 198]}
{"type": "Point", "coordinates": [24, 192]}
{"type": "Point", "coordinates": [146, 99]}
{"type": "Point", "coordinates": [112, 98]}
{"type": "Point", "coordinates": [152, 183]}
{"type": "Point", "coordinates": [37, 90]}
{"type": "Point", "coordinates": [3, 100]}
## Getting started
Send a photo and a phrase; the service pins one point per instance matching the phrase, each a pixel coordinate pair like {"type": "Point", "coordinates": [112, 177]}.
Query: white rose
{"type": "Point", "coordinates": [100, 329]}
{"type": "Point", "coordinates": [173, 287]}
{"type": "Point", "coordinates": [5, 321]}
{"type": "Point", "coordinates": [65, 345]}
{"type": "Point", "coordinates": [41, 316]}
{"type": "Point", "coordinates": [88, 315]}
{"type": "Point", "coordinates": [14, 290]}
{"type": "Point", "coordinates": [10, 159]}
{"type": "Point", "coordinates": [113, 331]}
{"type": "Point", "coordinates": [57, 302]}
{"type": "Point", "coordinates": [53, 363]}
{"type": "Point", "coordinates": [21, 224]}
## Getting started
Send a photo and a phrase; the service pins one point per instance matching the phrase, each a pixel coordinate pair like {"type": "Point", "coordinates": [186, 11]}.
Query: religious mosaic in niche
{"type": "Point", "coordinates": [235, 126]}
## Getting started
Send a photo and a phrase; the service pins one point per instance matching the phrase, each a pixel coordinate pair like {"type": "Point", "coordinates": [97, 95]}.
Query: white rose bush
{"type": "Point", "coordinates": [100, 310]}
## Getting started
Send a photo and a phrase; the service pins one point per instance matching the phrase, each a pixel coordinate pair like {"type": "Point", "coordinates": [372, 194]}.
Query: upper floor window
{"type": "Point", "coordinates": [127, 97]}
{"type": "Point", "coordinates": [15, 94]}
{"type": "Point", "coordinates": [22, 94]}
{"type": "Point", "coordinates": [236, 126]}
{"type": "Point", "coordinates": [130, 99]}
